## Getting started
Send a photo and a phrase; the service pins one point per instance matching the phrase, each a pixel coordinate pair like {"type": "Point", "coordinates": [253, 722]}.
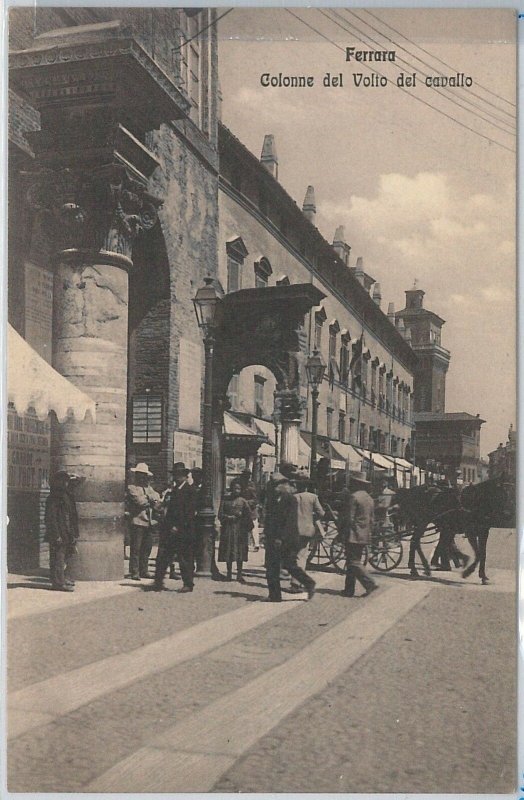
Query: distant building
{"type": "Point", "coordinates": [423, 330]}
{"type": "Point", "coordinates": [449, 443]}
{"type": "Point", "coordinates": [503, 460]}
{"type": "Point", "coordinates": [483, 469]}
{"type": "Point", "coordinates": [445, 443]}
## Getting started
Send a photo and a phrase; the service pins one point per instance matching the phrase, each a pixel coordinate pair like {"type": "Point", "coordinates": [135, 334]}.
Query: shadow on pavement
{"type": "Point", "coordinates": [250, 598]}
{"type": "Point", "coordinates": [30, 584]}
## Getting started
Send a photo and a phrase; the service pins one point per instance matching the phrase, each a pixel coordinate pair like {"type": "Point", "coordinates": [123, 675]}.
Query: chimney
{"type": "Point", "coordinates": [269, 157]}
{"type": "Point", "coordinates": [407, 337]}
{"type": "Point", "coordinates": [391, 313]}
{"type": "Point", "coordinates": [402, 329]}
{"type": "Point", "coordinates": [339, 245]}
{"type": "Point", "coordinates": [377, 294]}
{"type": "Point", "coordinates": [309, 207]}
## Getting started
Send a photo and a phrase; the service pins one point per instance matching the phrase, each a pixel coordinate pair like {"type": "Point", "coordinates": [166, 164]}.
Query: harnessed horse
{"type": "Point", "coordinates": [485, 505]}
{"type": "Point", "coordinates": [422, 506]}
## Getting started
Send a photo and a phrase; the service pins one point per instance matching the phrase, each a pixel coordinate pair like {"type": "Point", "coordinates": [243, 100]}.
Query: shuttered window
{"type": "Point", "coordinates": [147, 419]}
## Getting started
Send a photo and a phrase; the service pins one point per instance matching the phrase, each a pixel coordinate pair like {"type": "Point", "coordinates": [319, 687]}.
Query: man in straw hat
{"type": "Point", "coordinates": [142, 503]}
{"type": "Point", "coordinates": [356, 519]}
{"type": "Point", "coordinates": [178, 533]}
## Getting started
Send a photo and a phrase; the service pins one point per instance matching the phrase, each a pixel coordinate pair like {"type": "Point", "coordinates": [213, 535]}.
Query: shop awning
{"type": "Point", "coordinates": [33, 383]}
{"type": "Point", "coordinates": [233, 427]}
{"type": "Point", "coordinates": [379, 460]}
{"type": "Point", "coordinates": [266, 428]}
{"type": "Point", "coordinates": [401, 462]}
{"type": "Point", "coordinates": [348, 454]}
{"type": "Point", "coordinates": [323, 448]}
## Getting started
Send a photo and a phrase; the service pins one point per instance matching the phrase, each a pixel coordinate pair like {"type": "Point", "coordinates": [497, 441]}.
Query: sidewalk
{"type": "Point", "coordinates": [168, 693]}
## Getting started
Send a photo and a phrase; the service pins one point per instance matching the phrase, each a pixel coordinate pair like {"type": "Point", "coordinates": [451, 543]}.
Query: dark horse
{"type": "Point", "coordinates": [485, 505]}
{"type": "Point", "coordinates": [425, 505]}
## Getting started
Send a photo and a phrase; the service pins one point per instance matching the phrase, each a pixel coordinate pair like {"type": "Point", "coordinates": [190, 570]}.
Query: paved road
{"type": "Point", "coordinates": [116, 688]}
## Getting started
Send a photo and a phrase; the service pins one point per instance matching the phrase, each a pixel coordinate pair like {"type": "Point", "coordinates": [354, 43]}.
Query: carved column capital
{"type": "Point", "coordinates": [101, 210]}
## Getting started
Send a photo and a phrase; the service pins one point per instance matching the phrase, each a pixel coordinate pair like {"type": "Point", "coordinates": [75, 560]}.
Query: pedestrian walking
{"type": "Point", "coordinates": [61, 530]}
{"type": "Point", "coordinates": [249, 493]}
{"type": "Point", "coordinates": [309, 514]}
{"type": "Point", "coordinates": [178, 531]}
{"type": "Point", "coordinates": [143, 505]}
{"type": "Point", "coordinates": [282, 540]}
{"type": "Point", "coordinates": [236, 521]}
{"type": "Point", "coordinates": [356, 519]}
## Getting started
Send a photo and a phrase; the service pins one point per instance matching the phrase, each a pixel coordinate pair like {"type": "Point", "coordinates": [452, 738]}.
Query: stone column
{"type": "Point", "coordinates": [290, 421]}
{"type": "Point", "coordinates": [95, 219]}
{"type": "Point", "coordinates": [290, 440]}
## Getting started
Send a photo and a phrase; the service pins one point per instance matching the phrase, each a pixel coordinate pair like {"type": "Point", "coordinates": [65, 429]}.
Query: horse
{"type": "Point", "coordinates": [485, 504]}
{"type": "Point", "coordinates": [422, 505]}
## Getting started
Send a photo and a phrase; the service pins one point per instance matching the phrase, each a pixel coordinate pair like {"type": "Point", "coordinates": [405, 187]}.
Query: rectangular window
{"type": "Point", "coordinates": [147, 419]}
{"type": "Point", "coordinates": [332, 345]}
{"type": "Point", "coordinates": [329, 422]}
{"type": "Point", "coordinates": [234, 275]}
{"type": "Point", "coordinates": [259, 396]}
{"type": "Point", "coordinates": [351, 429]}
{"type": "Point", "coordinates": [232, 392]}
{"type": "Point", "coordinates": [342, 426]}
{"type": "Point", "coordinates": [318, 334]}
{"type": "Point", "coordinates": [344, 363]}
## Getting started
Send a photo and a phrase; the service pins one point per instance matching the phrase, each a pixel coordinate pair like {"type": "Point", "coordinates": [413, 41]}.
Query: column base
{"type": "Point", "coordinates": [99, 560]}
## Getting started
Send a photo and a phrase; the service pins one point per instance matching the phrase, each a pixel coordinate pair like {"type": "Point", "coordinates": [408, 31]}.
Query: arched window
{"type": "Point", "coordinates": [236, 253]}
{"type": "Point", "coordinates": [262, 272]}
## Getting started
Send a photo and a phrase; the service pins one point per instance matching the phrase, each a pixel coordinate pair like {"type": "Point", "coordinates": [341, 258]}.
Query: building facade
{"type": "Point", "coordinates": [114, 173]}
{"type": "Point", "coordinates": [265, 239]}
{"type": "Point", "coordinates": [503, 460]}
{"type": "Point", "coordinates": [449, 444]}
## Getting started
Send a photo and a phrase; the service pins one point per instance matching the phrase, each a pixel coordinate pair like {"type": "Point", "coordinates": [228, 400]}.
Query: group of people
{"type": "Point", "coordinates": [292, 515]}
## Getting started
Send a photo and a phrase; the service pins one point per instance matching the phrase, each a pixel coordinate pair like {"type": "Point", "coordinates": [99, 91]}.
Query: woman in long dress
{"type": "Point", "coordinates": [236, 521]}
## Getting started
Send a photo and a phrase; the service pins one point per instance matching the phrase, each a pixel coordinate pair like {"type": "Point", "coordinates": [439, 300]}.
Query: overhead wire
{"type": "Point", "coordinates": [441, 91]}
{"type": "Point", "coordinates": [197, 34]}
{"type": "Point", "coordinates": [414, 96]}
{"type": "Point", "coordinates": [440, 74]}
{"type": "Point", "coordinates": [444, 63]}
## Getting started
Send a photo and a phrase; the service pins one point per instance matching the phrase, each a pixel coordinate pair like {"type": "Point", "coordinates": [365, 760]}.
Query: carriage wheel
{"type": "Point", "coordinates": [319, 554]}
{"type": "Point", "coordinates": [386, 554]}
{"type": "Point", "coordinates": [337, 554]}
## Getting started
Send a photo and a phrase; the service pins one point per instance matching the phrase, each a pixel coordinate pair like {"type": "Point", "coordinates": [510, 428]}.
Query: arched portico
{"type": "Point", "coordinates": [261, 326]}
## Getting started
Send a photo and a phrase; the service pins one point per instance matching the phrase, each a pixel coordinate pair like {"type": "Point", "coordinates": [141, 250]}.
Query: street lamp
{"type": "Point", "coordinates": [315, 369]}
{"type": "Point", "coordinates": [206, 303]}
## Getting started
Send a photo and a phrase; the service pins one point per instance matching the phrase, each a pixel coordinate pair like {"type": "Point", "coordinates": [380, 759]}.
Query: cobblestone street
{"type": "Point", "coordinates": [408, 690]}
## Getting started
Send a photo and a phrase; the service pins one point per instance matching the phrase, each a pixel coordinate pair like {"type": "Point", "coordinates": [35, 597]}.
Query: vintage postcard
{"type": "Point", "coordinates": [261, 412]}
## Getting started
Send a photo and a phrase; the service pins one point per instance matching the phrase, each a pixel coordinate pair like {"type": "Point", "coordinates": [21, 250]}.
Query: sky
{"type": "Point", "coordinates": [423, 181]}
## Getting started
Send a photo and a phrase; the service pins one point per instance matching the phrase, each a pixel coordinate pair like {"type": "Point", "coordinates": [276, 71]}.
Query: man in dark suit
{"type": "Point", "coordinates": [178, 531]}
{"type": "Point", "coordinates": [282, 540]}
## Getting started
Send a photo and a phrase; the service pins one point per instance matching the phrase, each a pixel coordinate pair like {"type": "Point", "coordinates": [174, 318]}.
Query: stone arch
{"type": "Point", "coordinates": [261, 326]}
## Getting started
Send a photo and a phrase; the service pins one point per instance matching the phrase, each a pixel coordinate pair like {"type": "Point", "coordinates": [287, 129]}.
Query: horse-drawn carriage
{"type": "Point", "coordinates": [434, 515]}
